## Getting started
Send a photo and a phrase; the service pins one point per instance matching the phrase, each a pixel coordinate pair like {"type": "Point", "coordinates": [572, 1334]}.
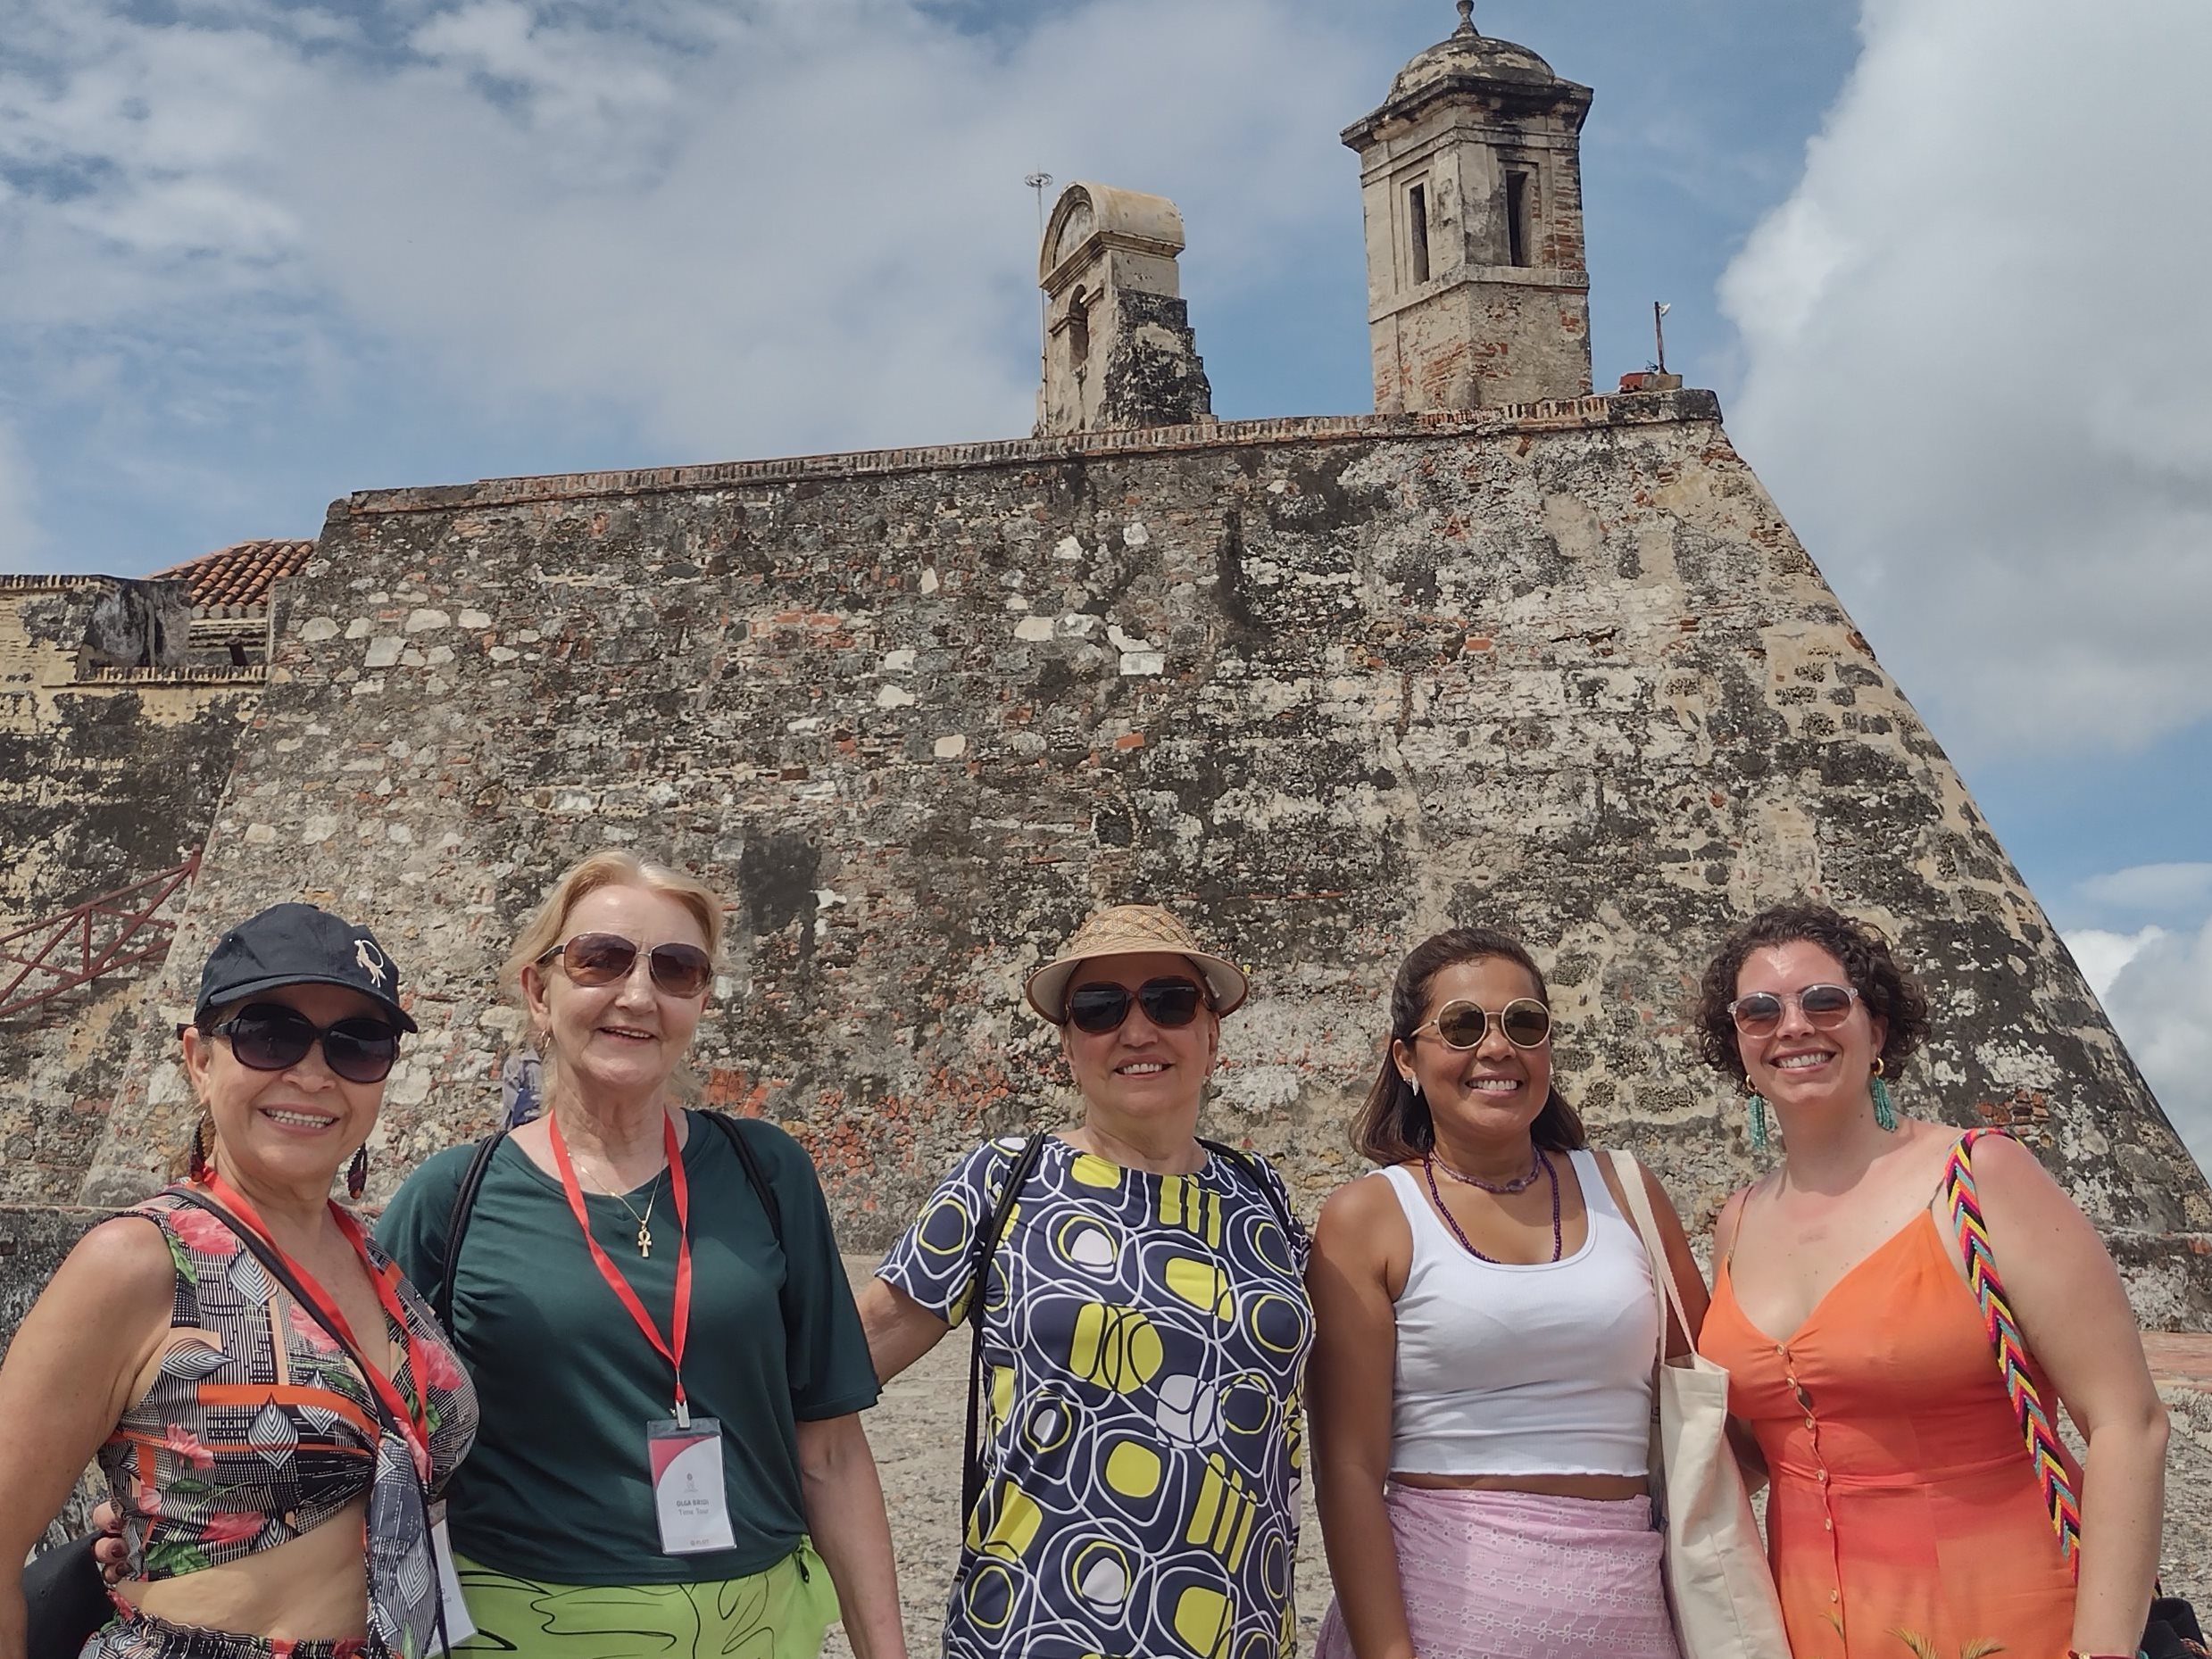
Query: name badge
{"type": "Point", "coordinates": [459, 1626]}
{"type": "Point", "coordinates": [688, 1494]}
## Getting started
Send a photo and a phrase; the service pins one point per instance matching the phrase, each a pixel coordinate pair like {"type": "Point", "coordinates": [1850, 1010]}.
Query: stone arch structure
{"type": "Point", "coordinates": [1118, 348]}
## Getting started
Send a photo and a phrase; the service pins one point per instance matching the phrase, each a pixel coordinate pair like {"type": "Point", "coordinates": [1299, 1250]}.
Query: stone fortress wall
{"type": "Point", "coordinates": [1321, 685]}
{"type": "Point", "coordinates": [115, 738]}
{"type": "Point", "coordinates": [1504, 652]}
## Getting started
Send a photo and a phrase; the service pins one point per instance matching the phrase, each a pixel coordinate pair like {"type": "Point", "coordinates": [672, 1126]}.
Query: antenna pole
{"type": "Point", "coordinates": [1041, 183]}
{"type": "Point", "coordinates": [1659, 331]}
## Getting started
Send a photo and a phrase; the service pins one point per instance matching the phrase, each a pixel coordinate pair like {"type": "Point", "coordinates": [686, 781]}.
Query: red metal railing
{"type": "Point", "coordinates": [102, 935]}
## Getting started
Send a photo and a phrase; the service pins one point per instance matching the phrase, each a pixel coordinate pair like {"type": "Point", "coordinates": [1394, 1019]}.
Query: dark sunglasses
{"type": "Point", "coordinates": [1168, 1003]}
{"type": "Point", "coordinates": [1526, 1021]}
{"type": "Point", "coordinates": [268, 1037]}
{"type": "Point", "coordinates": [603, 958]}
{"type": "Point", "coordinates": [1824, 1006]}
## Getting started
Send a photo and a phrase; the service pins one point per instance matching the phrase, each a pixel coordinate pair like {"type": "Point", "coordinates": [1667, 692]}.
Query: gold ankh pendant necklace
{"type": "Point", "coordinates": [644, 1221]}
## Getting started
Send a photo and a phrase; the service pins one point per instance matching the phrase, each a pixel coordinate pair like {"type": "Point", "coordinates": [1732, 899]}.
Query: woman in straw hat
{"type": "Point", "coordinates": [1144, 1324]}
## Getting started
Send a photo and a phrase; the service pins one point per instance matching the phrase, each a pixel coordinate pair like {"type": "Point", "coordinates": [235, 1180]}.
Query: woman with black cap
{"type": "Point", "coordinates": [271, 1403]}
{"type": "Point", "coordinates": [1145, 1326]}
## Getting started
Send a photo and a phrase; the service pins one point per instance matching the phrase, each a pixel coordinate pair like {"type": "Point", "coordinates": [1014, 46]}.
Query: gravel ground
{"type": "Point", "coordinates": [917, 1436]}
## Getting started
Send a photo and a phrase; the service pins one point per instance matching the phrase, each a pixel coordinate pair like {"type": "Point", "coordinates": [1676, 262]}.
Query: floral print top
{"type": "Point", "coordinates": [257, 1427]}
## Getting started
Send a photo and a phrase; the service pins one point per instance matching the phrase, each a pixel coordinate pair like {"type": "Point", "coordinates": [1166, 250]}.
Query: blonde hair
{"type": "Point", "coordinates": [609, 867]}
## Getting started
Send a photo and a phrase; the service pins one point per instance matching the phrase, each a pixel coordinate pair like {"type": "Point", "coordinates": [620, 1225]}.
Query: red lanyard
{"type": "Point", "coordinates": [670, 1348]}
{"type": "Point", "coordinates": [414, 1420]}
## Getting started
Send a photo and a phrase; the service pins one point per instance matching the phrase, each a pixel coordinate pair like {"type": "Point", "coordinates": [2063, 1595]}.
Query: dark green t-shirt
{"type": "Point", "coordinates": [557, 1488]}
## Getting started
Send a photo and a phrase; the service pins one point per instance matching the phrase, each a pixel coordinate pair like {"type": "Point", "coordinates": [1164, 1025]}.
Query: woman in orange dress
{"type": "Point", "coordinates": [1906, 1520]}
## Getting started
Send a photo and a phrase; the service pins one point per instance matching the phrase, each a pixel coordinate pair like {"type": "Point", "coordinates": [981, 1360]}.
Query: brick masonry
{"type": "Point", "coordinates": [1324, 685]}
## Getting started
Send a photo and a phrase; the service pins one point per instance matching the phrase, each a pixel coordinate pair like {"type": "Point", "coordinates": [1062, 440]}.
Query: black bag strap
{"type": "Point", "coordinates": [986, 1245]}
{"type": "Point", "coordinates": [457, 1226]}
{"type": "Point", "coordinates": [756, 1172]}
{"type": "Point", "coordinates": [985, 1248]}
{"type": "Point", "coordinates": [472, 1182]}
{"type": "Point", "coordinates": [1249, 1165]}
{"type": "Point", "coordinates": [283, 1274]}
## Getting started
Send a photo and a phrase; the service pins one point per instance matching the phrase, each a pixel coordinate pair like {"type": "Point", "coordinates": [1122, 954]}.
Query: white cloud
{"type": "Point", "coordinates": [2102, 954]}
{"type": "Point", "coordinates": [2156, 982]}
{"type": "Point", "coordinates": [2154, 888]}
{"type": "Point", "coordinates": [1973, 351]}
{"type": "Point", "coordinates": [741, 228]}
{"type": "Point", "coordinates": [2160, 1002]}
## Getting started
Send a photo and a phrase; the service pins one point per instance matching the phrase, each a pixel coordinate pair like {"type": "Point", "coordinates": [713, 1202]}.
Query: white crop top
{"type": "Point", "coordinates": [1523, 1370]}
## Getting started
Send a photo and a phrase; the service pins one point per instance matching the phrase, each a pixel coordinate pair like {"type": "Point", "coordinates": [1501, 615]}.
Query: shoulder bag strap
{"type": "Point", "coordinates": [1630, 1175]}
{"type": "Point", "coordinates": [987, 1237]}
{"type": "Point", "coordinates": [1249, 1166]}
{"type": "Point", "coordinates": [2059, 1501]}
{"type": "Point", "coordinates": [457, 1227]}
{"type": "Point", "coordinates": [756, 1173]}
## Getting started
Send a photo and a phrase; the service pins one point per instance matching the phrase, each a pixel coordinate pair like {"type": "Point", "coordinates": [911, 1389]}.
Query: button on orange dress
{"type": "Point", "coordinates": [1905, 1521]}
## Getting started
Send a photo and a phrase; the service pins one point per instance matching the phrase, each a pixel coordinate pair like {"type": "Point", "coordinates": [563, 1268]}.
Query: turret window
{"type": "Point", "coordinates": [1079, 329]}
{"type": "Point", "coordinates": [1521, 189]}
{"type": "Point", "coordinates": [1416, 230]}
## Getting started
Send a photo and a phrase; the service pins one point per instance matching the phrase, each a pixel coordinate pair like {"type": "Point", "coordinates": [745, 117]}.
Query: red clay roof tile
{"type": "Point", "coordinates": [242, 574]}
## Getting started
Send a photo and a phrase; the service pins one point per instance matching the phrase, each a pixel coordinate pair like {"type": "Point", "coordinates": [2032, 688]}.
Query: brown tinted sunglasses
{"type": "Point", "coordinates": [603, 958]}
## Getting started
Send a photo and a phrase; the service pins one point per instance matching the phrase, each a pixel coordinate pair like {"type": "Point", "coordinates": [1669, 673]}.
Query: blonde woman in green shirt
{"type": "Point", "coordinates": [651, 1305]}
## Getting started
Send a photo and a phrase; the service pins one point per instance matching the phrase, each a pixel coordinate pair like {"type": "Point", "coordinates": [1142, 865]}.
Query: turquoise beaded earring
{"type": "Point", "coordinates": [1884, 1112]}
{"type": "Point", "coordinates": [1758, 1116]}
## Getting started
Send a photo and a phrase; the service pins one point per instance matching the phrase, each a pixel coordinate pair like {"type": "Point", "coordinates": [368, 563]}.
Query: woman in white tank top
{"type": "Point", "coordinates": [1481, 1387]}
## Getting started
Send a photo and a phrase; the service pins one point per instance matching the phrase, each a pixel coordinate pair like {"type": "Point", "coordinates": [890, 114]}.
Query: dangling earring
{"type": "Point", "coordinates": [1758, 1116]}
{"type": "Point", "coordinates": [1884, 1112]}
{"type": "Point", "coordinates": [197, 1165]}
{"type": "Point", "coordinates": [357, 1172]}
{"type": "Point", "coordinates": [1414, 1083]}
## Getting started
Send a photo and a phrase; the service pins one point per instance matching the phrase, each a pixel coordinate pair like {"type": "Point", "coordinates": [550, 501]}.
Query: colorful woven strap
{"type": "Point", "coordinates": [2060, 1500]}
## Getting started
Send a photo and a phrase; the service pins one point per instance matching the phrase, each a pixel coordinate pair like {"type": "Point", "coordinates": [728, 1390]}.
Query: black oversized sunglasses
{"type": "Point", "coordinates": [1168, 1003]}
{"type": "Point", "coordinates": [603, 958]}
{"type": "Point", "coordinates": [1526, 1021]}
{"type": "Point", "coordinates": [269, 1037]}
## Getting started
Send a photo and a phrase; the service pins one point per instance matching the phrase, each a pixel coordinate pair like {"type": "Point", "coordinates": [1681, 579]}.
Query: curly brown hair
{"type": "Point", "coordinates": [1890, 993]}
{"type": "Point", "coordinates": [1393, 1126]}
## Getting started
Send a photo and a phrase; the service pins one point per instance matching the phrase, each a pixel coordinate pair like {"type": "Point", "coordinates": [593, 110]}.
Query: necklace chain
{"type": "Point", "coordinates": [644, 1221]}
{"type": "Point", "coordinates": [1428, 1168]}
{"type": "Point", "coordinates": [1519, 1183]}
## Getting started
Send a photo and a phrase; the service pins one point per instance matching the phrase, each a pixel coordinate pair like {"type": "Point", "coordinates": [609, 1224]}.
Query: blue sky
{"type": "Point", "coordinates": [257, 254]}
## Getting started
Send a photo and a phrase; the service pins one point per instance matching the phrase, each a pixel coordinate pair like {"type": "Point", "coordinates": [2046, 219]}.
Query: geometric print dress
{"type": "Point", "coordinates": [257, 1428]}
{"type": "Point", "coordinates": [1145, 1339]}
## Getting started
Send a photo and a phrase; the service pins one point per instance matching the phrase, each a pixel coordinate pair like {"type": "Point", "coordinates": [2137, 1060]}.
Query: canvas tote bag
{"type": "Point", "coordinates": [1717, 1580]}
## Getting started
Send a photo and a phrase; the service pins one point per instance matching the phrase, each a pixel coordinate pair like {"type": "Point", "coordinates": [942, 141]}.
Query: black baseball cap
{"type": "Point", "coordinates": [298, 944]}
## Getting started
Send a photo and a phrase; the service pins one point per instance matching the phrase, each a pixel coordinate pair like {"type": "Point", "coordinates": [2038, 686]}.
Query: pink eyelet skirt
{"type": "Point", "coordinates": [1507, 1575]}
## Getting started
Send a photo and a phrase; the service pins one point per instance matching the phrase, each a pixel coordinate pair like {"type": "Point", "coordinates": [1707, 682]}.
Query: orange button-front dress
{"type": "Point", "coordinates": [1905, 1521]}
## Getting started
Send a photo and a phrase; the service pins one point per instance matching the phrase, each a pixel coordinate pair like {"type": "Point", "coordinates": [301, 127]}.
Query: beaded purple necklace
{"type": "Point", "coordinates": [1519, 1183]}
{"type": "Point", "coordinates": [1428, 1168]}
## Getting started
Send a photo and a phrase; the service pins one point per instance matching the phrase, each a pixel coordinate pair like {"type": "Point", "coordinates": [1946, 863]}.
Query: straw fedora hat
{"type": "Point", "coordinates": [1128, 930]}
